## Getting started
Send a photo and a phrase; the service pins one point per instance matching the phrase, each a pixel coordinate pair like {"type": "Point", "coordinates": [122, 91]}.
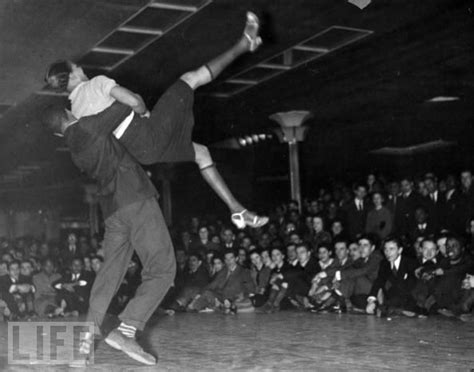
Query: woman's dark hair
{"type": "Point", "coordinates": [57, 76]}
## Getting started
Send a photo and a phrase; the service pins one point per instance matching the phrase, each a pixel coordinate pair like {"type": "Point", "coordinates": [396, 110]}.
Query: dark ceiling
{"type": "Point", "coordinates": [364, 96]}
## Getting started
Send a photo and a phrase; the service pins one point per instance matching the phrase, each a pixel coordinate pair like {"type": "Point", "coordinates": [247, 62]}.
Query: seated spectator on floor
{"type": "Point", "coordinates": [73, 289]}
{"type": "Point", "coordinates": [323, 294]}
{"type": "Point", "coordinates": [45, 294]}
{"type": "Point", "coordinates": [431, 260]}
{"type": "Point", "coordinates": [278, 284]}
{"type": "Point", "coordinates": [448, 291]}
{"type": "Point", "coordinates": [466, 307]}
{"type": "Point", "coordinates": [441, 244]}
{"type": "Point", "coordinates": [17, 295]}
{"type": "Point", "coordinates": [195, 280]}
{"type": "Point", "coordinates": [230, 288]}
{"type": "Point", "coordinates": [217, 266]}
{"type": "Point", "coordinates": [392, 289]}
{"type": "Point", "coordinates": [356, 280]}
{"type": "Point", "coordinates": [261, 277]}
{"type": "Point", "coordinates": [299, 283]}
{"type": "Point", "coordinates": [379, 219]}
{"type": "Point", "coordinates": [243, 258]}
{"type": "Point", "coordinates": [266, 258]}
{"type": "Point", "coordinates": [354, 251]}
{"type": "Point", "coordinates": [291, 256]}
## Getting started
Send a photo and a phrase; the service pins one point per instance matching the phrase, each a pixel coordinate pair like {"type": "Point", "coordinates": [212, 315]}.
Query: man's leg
{"type": "Point", "coordinates": [117, 255]}
{"type": "Point", "coordinates": [151, 241]}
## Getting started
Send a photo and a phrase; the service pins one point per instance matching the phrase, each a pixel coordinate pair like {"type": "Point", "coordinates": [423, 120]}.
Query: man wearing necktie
{"type": "Point", "coordinates": [356, 212]}
{"type": "Point", "coordinates": [396, 279]}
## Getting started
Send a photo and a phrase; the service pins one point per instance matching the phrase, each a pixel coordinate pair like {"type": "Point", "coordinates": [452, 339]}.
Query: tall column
{"type": "Point", "coordinates": [292, 131]}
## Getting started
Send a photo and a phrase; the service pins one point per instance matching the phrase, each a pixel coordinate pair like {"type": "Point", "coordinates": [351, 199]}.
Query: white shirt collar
{"type": "Point", "coordinates": [396, 263]}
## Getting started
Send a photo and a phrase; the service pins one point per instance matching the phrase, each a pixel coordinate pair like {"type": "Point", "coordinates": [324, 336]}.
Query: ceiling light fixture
{"type": "Point", "coordinates": [443, 99]}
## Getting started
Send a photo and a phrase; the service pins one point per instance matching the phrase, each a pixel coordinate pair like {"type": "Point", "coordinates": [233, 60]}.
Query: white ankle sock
{"type": "Point", "coordinates": [127, 330]}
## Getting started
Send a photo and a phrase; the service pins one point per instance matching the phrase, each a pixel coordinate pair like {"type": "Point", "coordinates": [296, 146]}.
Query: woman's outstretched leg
{"type": "Point", "coordinates": [240, 216]}
{"type": "Point", "coordinates": [249, 42]}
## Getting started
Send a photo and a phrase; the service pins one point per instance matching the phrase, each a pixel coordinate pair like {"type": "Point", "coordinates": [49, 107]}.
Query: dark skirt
{"type": "Point", "coordinates": [167, 135]}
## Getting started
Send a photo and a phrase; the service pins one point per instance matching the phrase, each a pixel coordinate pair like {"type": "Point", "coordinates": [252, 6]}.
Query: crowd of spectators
{"type": "Point", "coordinates": [403, 247]}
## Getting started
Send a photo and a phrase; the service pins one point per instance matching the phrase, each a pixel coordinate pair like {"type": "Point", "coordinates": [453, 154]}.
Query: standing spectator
{"type": "Point", "coordinates": [405, 210]}
{"type": "Point", "coordinates": [356, 212]}
{"type": "Point", "coordinates": [379, 219]}
{"type": "Point", "coordinates": [320, 236]}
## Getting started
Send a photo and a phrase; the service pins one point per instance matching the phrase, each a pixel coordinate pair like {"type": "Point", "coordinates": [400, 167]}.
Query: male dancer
{"type": "Point", "coordinates": [133, 221]}
{"type": "Point", "coordinates": [141, 136]}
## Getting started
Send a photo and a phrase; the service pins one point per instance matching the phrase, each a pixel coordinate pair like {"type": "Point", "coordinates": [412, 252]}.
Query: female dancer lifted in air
{"type": "Point", "coordinates": [143, 132]}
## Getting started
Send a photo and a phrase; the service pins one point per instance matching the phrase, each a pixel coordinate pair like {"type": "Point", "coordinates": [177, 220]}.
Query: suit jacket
{"type": "Point", "coordinates": [260, 278]}
{"type": "Point", "coordinates": [355, 219]}
{"type": "Point", "coordinates": [82, 291]}
{"type": "Point", "coordinates": [199, 279]}
{"type": "Point", "coordinates": [401, 283]}
{"type": "Point", "coordinates": [404, 212]}
{"type": "Point", "coordinates": [367, 268]}
{"type": "Point", "coordinates": [5, 283]}
{"type": "Point", "coordinates": [416, 232]}
{"type": "Point", "coordinates": [232, 284]}
{"type": "Point", "coordinates": [338, 266]}
{"type": "Point", "coordinates": [436, 210]}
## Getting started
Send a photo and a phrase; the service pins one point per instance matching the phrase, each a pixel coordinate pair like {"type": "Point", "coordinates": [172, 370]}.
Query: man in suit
{"type": "Point", "coordinates": [356, 212]}
{"type": "Point", "coordinates": [435, 203]}
{"type": "Point", "coordinates": [406, 205]}
{"type": "Point", "coordinates": [231, 284]}
{"type": "Point", "coordinates": [73, 289]}
{"type": "Point", "coordinates": [422, 225]}
{"type": "Point", "coordinates": [395, 281]}
{"type": "Point", "coordinates": [228, 239]}
{"type": "Point", "coordinates": [393, 196]}
{"type": "Point", "coordinates": [17, 294]}
{"type": "Point", "coordinates": [355, 281]}
{"type": "Point", "coordinates": [69, 252]}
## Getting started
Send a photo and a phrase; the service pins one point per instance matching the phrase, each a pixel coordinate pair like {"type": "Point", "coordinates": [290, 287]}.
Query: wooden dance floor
{"type": "Point", "coordinates": [290, 341]}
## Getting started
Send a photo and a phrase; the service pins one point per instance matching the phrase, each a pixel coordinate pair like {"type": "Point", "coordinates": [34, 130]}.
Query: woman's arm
{"type": "Point", "coordinates": [128, 98]}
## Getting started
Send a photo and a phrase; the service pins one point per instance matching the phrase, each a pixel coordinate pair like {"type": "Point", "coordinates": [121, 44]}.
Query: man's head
{"type": "Point", "coordinates": [26, 268]}
{"type": "Point", "coordinates": [87, 263]}
{"type": "Point", "coordinates": [431, 184]}
{"type": "Point", "coordinates": [336, 227]}
{"type": "Point", "coordinates": [194, 261]}
{"type": "Point", "coordinates": [360, 191]}
{"type": "Point", "coordinates": [341, 249]}
{"type": "Point", "coordinates": [377, 199]}
{"type": "Point", "coordinates": [466, 179]}
{"type": "Point", "coordinates": [454, 248]}
{"type": "Point", "coordinates": [406, 185]}
{"type": "Point", "coordinates": [76, 265]}
{"type": "Point", "coordinates": [266, 257]}
{"type": "Point", "coordinates": [277, 256]}
{"type": "Point", "coordinates": [324, 254]}
{"type": "Point", "coordinates": [14, 269]}
{"type": "Point", "coordinates": [228, 236]}
{"type": "Point", "coordinates": [242, 256]}
{"type": "Point", "coordinates": [255, 258]}
{"type": "Point", "coordinates": [392, 249]}
{"type": "Point", "coordinates": [56, 119]}
{"type": "Point", "coordinates": [96, 263]}
{"type": "Point", "coordinates": [203, 233]}
{"type": "Point", "coordinates": [354, 251]}
{"type": "Point", "coordinates": [294, 238]}
{"type": "Point", "coordinates": [303, 253]}
{"type": "Point", "coordinates": [366, 245]}
{"type": "Point", "coordinates": [217, 263]}
{"type": "Point", "coordinates": [318, 224]}
{"type": "Point", "coordinates": [230, 258]}
{"type": "Point", "coordinates": [429, 249]}
{"type": "Point", "coordinates": [3, 268]}
{"type": "Point", "coordinates": [181, 257]}
{"type": "Point", "coordinates": [420, 215]}
{"type": "Point", "coordinates": [7, 257]}
{"type": "Point", "coordinates": [291, 252]}
{"type": "Point", "coordinates": [47, 266]}
{"type": "Point", "coordinates": [394, 188]}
